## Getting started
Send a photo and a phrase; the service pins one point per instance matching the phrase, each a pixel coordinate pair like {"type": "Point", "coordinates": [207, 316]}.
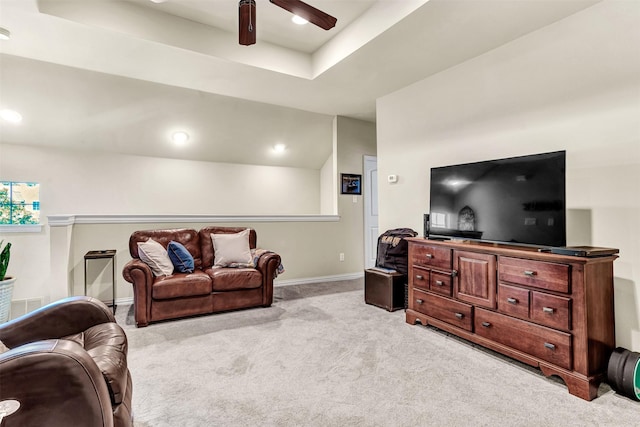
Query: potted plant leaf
{"type": "Point", "coordinates": [6, 282]}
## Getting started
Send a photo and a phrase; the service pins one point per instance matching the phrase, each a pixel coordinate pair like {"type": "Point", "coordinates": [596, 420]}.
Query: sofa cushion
{"type": "Point", "coordinates": [106, 343]}
{"type": "Point", "coordinates": [232, 248]}
{"type": "Point", "coordinates": [182, 285]}
{"type": "Point", "coordinates": [155, 256]}
{"type": "Point", "coordinates": [180, 257]}
{"type": "Point", "coordinates": [232, 279]}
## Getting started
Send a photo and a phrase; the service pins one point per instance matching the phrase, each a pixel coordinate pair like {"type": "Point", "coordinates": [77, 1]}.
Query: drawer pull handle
{"type": "Point", "coordinates": [548, 310]}
{"type": "Point", "coordinates": [419, 301]}
{"type": "Point", "coordinates": [429, 256]}
{"type": "Point", "coordinates": [512, 300]}
{"type": "Point", "coordinates": [419, 277]}
{"type": "Point", "coordinates": [549, 346]}
{"type": "Point", "coordinates": [459, 315]}
{"type": "Point", "coordinates": [439, 283]}
{"type": "Point", "coordinates": [529, 273]}
{"type": "Point", "coordinates": [486, 324]}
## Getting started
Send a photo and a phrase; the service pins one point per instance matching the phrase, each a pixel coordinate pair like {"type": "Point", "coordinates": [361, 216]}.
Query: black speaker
{"type": "Point", "coordinates": [426, 225]}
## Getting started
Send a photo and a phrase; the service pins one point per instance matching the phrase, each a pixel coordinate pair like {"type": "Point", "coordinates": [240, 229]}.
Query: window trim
{"type": "Point", "coordinates": [20, 228]}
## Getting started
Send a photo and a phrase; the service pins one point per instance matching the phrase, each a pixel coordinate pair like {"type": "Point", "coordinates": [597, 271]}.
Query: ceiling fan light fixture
{"type": "Point", "coordinates": [308, 12]}
{"type": "Point", "coordinates": [299, 20]}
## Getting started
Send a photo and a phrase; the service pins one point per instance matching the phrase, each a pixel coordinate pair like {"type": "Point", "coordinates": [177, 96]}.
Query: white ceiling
{"type": "Point", "coordinates": [121, 75]}
{"type": "Point", "coordinates": [273, 24]}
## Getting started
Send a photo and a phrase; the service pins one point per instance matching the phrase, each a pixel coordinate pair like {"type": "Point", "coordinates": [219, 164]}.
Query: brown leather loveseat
{"type": "Point", "coordinates": [208, 289]}
{"type": "Point", "coordinates": [66, 365]}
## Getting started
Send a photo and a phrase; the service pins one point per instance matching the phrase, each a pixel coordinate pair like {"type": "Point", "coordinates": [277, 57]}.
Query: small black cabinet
{"type": "Point", "coordinates": [385, 290]}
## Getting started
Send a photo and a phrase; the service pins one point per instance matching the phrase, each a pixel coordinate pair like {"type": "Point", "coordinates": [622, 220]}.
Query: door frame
{"type": "Point", "coordinates": [369, 197]}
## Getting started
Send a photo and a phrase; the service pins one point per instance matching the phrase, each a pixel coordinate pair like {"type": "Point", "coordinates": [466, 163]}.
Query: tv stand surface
{"type": "Point", "coordinates": [548, 310]}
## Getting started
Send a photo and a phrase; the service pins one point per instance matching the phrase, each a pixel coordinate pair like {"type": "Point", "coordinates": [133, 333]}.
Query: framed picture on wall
{"type": "Point", "coordinates": [350, 183]}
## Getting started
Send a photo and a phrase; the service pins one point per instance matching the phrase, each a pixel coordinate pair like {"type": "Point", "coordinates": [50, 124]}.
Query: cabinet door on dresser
{"type": "Point", "coordinates": [475, 278]}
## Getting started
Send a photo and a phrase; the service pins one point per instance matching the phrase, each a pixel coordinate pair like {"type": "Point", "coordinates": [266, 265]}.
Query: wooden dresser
{"type": "Point", "coordinates": [551, 311]}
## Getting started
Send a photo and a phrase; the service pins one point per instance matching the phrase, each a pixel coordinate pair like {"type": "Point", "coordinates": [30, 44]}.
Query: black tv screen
{"type": "Point", "coordinates": [518, 200]}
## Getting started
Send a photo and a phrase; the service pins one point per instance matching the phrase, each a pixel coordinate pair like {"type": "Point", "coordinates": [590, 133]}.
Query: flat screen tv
{"type": "Point", "coordinates": [518, 200]}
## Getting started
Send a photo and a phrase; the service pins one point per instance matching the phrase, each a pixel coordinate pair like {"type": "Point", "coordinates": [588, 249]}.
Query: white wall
{"type": "Point", "coordinates": [328, 201]}
{"type": "Point", "coordinates": [574, 86]}
{"type": "Point", "coordinates": [89, 182]}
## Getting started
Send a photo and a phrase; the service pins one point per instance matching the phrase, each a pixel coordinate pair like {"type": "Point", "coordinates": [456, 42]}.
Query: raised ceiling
{"type": "Point", "coordinates": [273, 23]}
{"type": "Point", "coordinates": [118, 75]}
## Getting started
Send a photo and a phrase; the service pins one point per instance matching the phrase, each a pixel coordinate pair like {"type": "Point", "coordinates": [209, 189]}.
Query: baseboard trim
{"type": "Point", "coordinates": [123, 301]}
{"type": "Point", "coordinates": [320, 279]}
{"type": "Point", "coordinates": [282, 283]}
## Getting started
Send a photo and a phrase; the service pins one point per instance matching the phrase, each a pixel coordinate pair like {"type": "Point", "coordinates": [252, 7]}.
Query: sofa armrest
{"type": "Point", "coordinates": [139, 274]}
{"type": "Point", "coordinates": [134, 268]}
{"type": "Point", "coordinates": [56, 320]}
{"type": "Point", "coordinates": [52, 380]}
{"type": "Point", "coordinates": [268, 265]}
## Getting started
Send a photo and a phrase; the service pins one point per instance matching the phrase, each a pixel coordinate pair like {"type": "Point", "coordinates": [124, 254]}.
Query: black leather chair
{"type": "Point", "coordinates": [66, 366]}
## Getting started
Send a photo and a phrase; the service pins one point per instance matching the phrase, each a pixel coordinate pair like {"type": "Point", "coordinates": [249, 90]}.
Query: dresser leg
{"type": "Point", "coordinates": [583, 387]}
{"type": "Point", "coordinates": [411, 318]}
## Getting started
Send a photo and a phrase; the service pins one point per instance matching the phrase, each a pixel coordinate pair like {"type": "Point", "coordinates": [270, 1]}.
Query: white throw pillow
{"type": "Point", "coordinates": [155, 256]}
{"type": "Point", "coordinates": [231, 248]}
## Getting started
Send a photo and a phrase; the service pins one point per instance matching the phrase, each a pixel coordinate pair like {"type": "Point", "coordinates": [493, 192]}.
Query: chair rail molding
{"type": "Point", "coordinates": [69, 219]}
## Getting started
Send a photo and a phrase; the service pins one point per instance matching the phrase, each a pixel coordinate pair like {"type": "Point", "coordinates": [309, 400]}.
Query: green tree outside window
{"type": "Point", "coordinates": [19, 203]}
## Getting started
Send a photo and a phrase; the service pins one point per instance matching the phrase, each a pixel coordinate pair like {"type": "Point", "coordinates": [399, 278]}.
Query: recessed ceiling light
{"type": "Point", "coordinates": [4, 34]}
{"type": "Point", "coordinates": [180, 137]}
{"type": "Point", "coordinates": [11, 116]}
{"type": "Point", "coordinates": [279, 148]}
{"type": "Point", "coordinates": [158, 1]}
{"type": "Point", "coordinates": [298, 20]}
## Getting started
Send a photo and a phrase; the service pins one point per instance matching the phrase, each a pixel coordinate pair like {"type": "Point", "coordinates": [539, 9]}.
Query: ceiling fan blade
{"type": "Point", "coordinates": [247, 22]}
{"type": "Point", "coordinates": [310, 13]}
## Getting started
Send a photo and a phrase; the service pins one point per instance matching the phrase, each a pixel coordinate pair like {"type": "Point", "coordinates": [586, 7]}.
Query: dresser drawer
{"type": "Point", "coordinates": [440, 283]}
{"type": "Point", "coordinates": [420, 278]}
{"type": "Point", "coordinates": [513, 300]}
{"type": "Point", "coordinates": [537, 274]}
{"type": "Point", "coordinates": [450, 311]}
{"type": "Point", "coordinates": [539, 341]}
{"type": "Point", "coordinates": [432, 256]}
{"type": "Point", "coordinates": [551, 310]}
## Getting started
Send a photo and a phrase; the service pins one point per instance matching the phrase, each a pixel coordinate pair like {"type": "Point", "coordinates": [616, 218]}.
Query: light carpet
{"type": "Point", "coordinates": [320, 356]}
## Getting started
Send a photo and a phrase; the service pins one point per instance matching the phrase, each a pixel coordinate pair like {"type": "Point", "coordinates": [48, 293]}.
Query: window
{"type": "Point", "coordinates": [19, 203]}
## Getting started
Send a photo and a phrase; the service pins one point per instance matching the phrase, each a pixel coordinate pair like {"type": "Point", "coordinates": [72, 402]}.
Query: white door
{"type": "Point", "coordinates": [370, 210]}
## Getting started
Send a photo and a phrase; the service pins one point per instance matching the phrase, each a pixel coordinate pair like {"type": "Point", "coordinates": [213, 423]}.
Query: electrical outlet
{"type": "Point", "coordinates": [529, 221]}
{"type": "Point", "coordinates": [341, 256]}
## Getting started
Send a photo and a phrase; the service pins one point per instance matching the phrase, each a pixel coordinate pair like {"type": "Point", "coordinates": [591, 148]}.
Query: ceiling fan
{"type": "Point", "coordinates": [247, 19]}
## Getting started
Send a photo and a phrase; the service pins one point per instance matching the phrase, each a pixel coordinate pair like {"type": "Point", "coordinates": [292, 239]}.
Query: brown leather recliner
{"type": "Point", "coordinates": [66, 366]}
